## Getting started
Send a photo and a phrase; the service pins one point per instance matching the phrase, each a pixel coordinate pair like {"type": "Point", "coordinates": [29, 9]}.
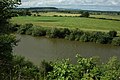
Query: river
{"type": "Point", "coordinates": [37, 49]}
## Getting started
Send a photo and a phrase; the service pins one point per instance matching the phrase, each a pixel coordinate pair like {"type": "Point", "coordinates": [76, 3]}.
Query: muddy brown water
{"type": "Point", "coordinates": [37, 49]}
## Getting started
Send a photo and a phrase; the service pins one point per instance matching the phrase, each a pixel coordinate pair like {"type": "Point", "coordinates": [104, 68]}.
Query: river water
{"type": "Point", "coordinates": [37, 49]}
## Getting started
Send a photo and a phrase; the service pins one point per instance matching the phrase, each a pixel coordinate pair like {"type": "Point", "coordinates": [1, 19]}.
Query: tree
{"type": "Point", "coordinates": [7, 41]}
{"type": "Point", "coordinates": [85, 14]}
{"type": "Point", "coordinates": [5, 13]}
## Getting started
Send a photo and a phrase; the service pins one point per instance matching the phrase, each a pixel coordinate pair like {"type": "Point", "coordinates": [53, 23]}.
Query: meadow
{"type": "Point", "coordinates": [89, 24]}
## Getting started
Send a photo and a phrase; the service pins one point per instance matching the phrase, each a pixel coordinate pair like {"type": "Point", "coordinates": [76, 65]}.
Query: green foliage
{"type": "Point", "coordinates": [6, 44]}
{"type": "Point", "coordinates": [95, 36]}
{"type": "Point", "coordinates": [45, 67]}
{"type": "Point", "coordinates": [29, 31]}
{"type": "Point", "coordinates": [111, 70]}
{"type": "Point", "coordinates": [38, 31]}
{"type": "Point", "coordinates": [73, 35]}
{"type": "Point", "coordinates": [23, 69]}
{"type": "Point", "coordinates": [7, 41]}
{"type": "Point", "coordinates": [89, 24]}
{"type": "Point", "coordinates": [53, 33]}
{"type": "Point", "coordinates": [116, 41]}
{"type": "Point", "coordinates": [5, 13]}
{"type": "Point", "coordinates": [22, 29]}
{"type": "Point", "coordinates": [14, 27]}
{"type": "Point", "coordinates": [63, 32]}
{"type": "Point", "coordinates": [62, 70]}
{"type": "Point", "coordinates": [85, 14]}
{"type": "Point", "coordinates": [112, 33]}
{"type": "Point", "coordinates": [86, 69]}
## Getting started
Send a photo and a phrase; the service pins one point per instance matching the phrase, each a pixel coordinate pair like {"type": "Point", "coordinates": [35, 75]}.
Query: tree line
{"type": "Point", "coordinates": [69, 34]}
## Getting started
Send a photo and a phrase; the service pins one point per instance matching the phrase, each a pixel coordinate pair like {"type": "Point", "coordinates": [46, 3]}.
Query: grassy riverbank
{"type": "Point", "coordinates": [69, 34]}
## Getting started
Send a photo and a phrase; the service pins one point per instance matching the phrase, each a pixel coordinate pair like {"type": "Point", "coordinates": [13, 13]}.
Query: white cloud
{"type": "Point", "coordinates": [57, 3]}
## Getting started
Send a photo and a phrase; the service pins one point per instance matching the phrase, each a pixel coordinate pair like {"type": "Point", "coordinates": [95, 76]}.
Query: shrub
{"type": "Point", "coordinates": [112, 33]}
{"type": "Point", "coordinates": [85, 37]}
{"type": "Point", "coordinates": [116, 41]}
{"type": "Point", "coordinates": [24, 28]}
{"type": "Point", "coordinates": [64, 32]}
{"type": "Point", "coordinates": [38, 15]}
{"type": "Point", "coordinates": [45, 67]}
{"type": "Point", "coordinates": [38, 31]}
{"type": "Point", "coordinates": [75, 34]}
{"type": "Point", "coordinates": [55, 15]}
{"type": "Point", "coordinates": [53, 33]}
{"type": "Point", "coordinates": [85, 14]}
{"type": "Point", "coordinates": [14, 27]}
{"type": "Point", "coordinates": [78, 33]}
{"type": "Point", "coordinates": [29, 31]}
{"type": "Point", "coordinates": [60, 16]}
{"type": "Point", "coordinates": [94, 36]}
{"type": "Point", "coordinates": [71, 37]}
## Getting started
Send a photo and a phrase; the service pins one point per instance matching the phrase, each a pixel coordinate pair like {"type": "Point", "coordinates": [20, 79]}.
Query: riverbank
{"type": "Point", "coordinates": [69, 34]}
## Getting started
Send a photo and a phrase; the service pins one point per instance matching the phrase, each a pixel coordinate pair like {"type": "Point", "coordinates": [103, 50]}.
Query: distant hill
{"type": "Point", "coordinates": [39, 9]}
{"type": "Point", "coordinates": [43, 8]}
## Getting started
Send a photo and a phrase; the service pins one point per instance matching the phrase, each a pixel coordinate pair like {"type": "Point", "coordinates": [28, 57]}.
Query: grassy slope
{"type": "Point", "coordinates": [70, 22]}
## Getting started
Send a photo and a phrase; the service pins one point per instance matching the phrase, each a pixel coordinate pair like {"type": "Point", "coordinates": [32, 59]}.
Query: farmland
{"type": "Point", "coordinates": [88, 24]}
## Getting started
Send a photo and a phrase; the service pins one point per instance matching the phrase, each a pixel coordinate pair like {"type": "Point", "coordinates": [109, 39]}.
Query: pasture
{"type": "Point", "coordinates": [88, 24]}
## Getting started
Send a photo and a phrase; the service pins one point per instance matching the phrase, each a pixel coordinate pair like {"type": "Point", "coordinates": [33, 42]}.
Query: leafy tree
{"type": "Point", "coordinates": [85, 14]}
{"type": "Point", "coordinates": [6, 41]}
{"type": "Point", "coordinates": [5, 14]}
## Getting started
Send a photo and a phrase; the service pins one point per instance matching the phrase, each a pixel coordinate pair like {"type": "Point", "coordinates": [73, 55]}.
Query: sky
{"type": "Point", "coordinates": [95, 4]}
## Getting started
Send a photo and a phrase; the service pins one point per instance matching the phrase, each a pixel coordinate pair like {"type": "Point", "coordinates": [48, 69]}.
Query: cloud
{"type": "Point", "coordinates": [59, 3]}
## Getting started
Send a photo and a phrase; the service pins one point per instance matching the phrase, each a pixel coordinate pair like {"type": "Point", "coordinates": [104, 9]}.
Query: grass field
{"type": "Point", "coordinates": [106, 16]}
{"type": "Point", "coordinates": [70, 22]}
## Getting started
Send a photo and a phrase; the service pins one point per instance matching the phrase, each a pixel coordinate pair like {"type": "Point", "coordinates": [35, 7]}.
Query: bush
{"type": "Point", "coordinates": [112, 33]}
{"type": "Point", "coordinates": [85, 14]}
{"type": "Point", "coordinates": [55, 15]}
{"type": "Point", "coordinates": [75, 34]}
{"type": "Point", "coordinates": [116, 41]}
{"type": "Point", "coordinates": [29, 31]}
{"type": "Point", "coordinates": [14, 27]}
{"type": "Point", "coordinates": [60, 16]}
{"type": "Point", "coordinates": [53, 33]}
{"type": "Point", "coordinates": [94, 36]}
{"type": "Point", "coordinates": [71, 37]}
{"type": "Point", "coordinates": [64, 32]}
{"type": "Point", "coordinates": [38, 31]}
{"type": "Point", "coordinates": [85, 37]}
{"type": "Point", "coordinates": [24, 28]}
{"type": "Point", "coordinates": [45, 67]}
{"type": "Point", "coordinates": [85, 69]}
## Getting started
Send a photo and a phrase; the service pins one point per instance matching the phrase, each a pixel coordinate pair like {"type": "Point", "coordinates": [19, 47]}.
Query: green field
{"type": "Point", "coordinates": [70, 22]}
{"type": "Point", "coordinates": [107, 16]}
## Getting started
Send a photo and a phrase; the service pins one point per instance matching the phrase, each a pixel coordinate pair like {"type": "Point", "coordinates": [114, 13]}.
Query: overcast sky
{"type": "Point", "coordinates": [68, 3]}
